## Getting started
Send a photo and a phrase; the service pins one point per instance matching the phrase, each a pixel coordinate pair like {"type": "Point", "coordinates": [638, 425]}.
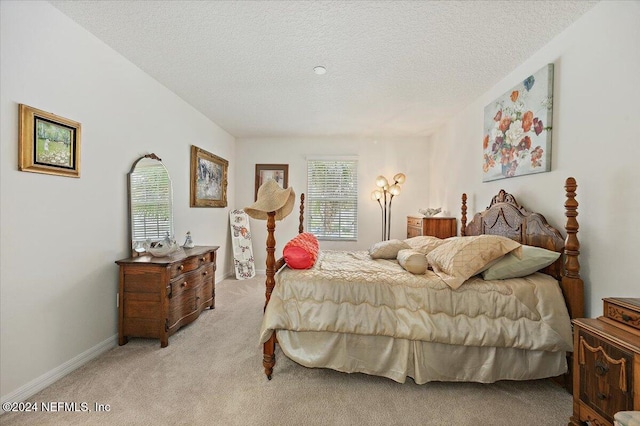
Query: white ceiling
{"type": "Point", "coordinates": [394, 68]}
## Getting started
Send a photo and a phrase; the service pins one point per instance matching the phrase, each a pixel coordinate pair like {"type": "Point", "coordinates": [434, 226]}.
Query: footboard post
{"type": "Point", "coordinates": [271, 259]}
{"type": "Point", "coordinates": [269, 357]}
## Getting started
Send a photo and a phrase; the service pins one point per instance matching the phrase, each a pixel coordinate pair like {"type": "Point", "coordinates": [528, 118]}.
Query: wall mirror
{"type": "Point", "coordinates": [150, 203]}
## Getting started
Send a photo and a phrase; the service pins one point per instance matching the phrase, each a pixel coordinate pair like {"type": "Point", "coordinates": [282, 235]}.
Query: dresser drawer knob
{"type": "Point", "coordinates": [601, 368]}
{"type": "Point", "coordinates": [205, 273]}
{"type": "Point", "coordinates": [181, 267]}
{"type": "Point", "coordinates": [626, 317]}
{"type": "Point", "coordinates": [184, 284]}
{"type": "Point", "coordinates": [202, 259]}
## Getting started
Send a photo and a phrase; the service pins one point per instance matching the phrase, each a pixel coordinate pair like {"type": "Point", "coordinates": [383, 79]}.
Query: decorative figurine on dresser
{"type": "Point", "coordinates": [162, 286]}
{"type": "Point", "coordinates": [606, 363]}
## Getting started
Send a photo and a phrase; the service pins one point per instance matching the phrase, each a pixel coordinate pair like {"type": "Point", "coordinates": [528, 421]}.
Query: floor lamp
{"type": "Point", "coordinates": [380, 195]}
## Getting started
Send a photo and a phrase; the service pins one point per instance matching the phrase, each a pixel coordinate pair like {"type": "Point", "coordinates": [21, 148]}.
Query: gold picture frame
{"type": "Point", "coordinates": [277, 172]}
{"type": "Point", "coordinates": [48, 143]}
{"type": "Point", "coordinates": [208, 179]}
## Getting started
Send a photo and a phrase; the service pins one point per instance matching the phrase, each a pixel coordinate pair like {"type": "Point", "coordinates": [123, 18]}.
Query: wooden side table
{"type": "Point", "coordinates": [606, 364]}
{"type": "Point", "coordinates": [441, 227]}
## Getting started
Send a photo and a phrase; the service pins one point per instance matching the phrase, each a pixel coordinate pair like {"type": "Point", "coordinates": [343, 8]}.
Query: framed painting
{"type": "Point", "coordinates": [48, 143]}
{"type": "Point", "coordinates": [208, 179]}
{"type": "Point", "coordinates": [277, 172]}
{"type": "Point", "coordinates": [517, 129]}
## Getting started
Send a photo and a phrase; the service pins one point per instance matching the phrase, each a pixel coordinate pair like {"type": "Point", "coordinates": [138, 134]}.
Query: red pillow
{"type": "Point", "coordinates": [302, 251]}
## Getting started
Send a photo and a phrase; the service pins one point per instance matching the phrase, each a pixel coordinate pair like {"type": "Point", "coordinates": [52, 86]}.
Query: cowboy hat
{"type": "Point", "coordinates": [272, 198]}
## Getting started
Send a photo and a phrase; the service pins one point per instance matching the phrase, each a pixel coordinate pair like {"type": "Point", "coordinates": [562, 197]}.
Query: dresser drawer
{"type": "Point", "coordinates": [624, 311]}
{"type": "Point", "coordinates": [189, 264]}
{"type": "Point", "coordinates": [190, 280]}
{"type": "Point", "coordinates": [606, 375]}
{"type": "Point", "coordinates": [414, 221]}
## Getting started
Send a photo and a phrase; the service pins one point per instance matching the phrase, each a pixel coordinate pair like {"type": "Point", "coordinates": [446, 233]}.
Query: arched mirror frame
{"type": "Point", "coordinates": [137, 245]}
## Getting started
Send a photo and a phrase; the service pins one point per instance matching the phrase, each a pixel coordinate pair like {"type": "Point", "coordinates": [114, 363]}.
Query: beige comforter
{"type": "Point", "coordinates": [348, 292]}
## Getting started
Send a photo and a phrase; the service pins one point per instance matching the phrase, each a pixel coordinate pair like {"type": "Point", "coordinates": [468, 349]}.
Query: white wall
{"type": "Point", "coordinates": [61, 236]}
{"type": "Point", "coordinates": [381, 156]}
{"type": "Point", "coordinates": [595, 140]}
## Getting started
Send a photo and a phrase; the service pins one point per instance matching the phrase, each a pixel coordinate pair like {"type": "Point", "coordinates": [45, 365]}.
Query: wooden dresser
{"type": "Point", "coordinates": [158, 295]}
{"type": "Point", "coordinates": [606, 363]}
{"type": "Point", "coordinates": [441, 227]}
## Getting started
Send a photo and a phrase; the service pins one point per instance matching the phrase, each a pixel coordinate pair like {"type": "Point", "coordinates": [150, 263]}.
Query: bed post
{"type": "Point", "coordinates": [572, 285]}
{"type": "Point", "coordinates": [271, 260]}
{"type": "Point", "coordinates": [269, 347]}
{"type": "Point", "coordinates": [269, 358]}
{"type": "Point", "coordinates": [463, 219]}
{"type": "Point", "coordinates": [301, 218]}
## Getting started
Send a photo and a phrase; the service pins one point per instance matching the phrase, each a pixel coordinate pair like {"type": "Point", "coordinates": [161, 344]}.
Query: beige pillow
{"type": "Point", "coordinates": [464, 257]}
{"type": "Point", "coordinates": [413, 261]}
{"type": "Point", "coordinates": [387, 249]}
{"type": "Point", "coordinates": [424, 244]}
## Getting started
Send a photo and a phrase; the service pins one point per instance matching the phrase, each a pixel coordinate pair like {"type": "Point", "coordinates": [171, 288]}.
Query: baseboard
{"type": "Point", "coordinates": [228, 274]}
{"type": "Point", "coordinates": [50, 377]}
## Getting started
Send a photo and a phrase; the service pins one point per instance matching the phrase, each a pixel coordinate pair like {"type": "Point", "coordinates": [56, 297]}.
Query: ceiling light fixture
{"type": "Point", "coordinates": [320, 70]}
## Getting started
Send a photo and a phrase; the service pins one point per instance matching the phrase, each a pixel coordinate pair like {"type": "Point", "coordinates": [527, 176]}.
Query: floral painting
{"type": "Point", "coordinates": [517, 129]}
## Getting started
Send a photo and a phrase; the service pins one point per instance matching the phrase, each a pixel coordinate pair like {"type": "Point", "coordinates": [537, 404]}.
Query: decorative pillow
{"type": "Point", "coordinates": [424, 244]}
{"type": "Point", "coordinates": [533, 259]}
{"type": "Point", "coordinates": [387, 249]}
{"type": "Point", "coordinates": [301, 252]}
{"type": "Point", "coordinates": [413, 261]}
{"type": "Point", "coordinates": [464, 257]}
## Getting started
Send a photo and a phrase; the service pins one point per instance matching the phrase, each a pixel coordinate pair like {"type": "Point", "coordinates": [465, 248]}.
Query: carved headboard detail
{"type": "Point", "coordinates": [507, 218]}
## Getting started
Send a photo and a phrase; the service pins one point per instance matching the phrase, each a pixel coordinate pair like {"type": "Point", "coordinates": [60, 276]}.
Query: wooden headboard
{"type": "Point", "coordinates": [506, 217]}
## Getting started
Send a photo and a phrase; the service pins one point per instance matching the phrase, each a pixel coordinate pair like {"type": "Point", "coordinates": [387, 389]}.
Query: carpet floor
{"type": "Point", "coordinates": [211, 374]}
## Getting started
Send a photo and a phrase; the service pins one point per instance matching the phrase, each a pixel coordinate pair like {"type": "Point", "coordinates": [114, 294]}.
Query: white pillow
{"type": "Point", "coordinates": [387, 249]}
{"type": "Point", "coordinates": [424, 243]}
{"type": "Point", "coordinates": [413, 261]}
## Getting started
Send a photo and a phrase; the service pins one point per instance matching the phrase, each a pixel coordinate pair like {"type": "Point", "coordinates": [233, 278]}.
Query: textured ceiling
{"type": "Point", "coordinates": [393, 68]}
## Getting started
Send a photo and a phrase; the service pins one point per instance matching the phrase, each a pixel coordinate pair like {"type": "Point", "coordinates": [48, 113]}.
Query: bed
{"type": "Point", "coordinates": [352, 313]}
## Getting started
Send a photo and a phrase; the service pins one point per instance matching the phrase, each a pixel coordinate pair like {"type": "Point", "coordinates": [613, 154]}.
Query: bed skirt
{"type": "Point", "coordinates": [398, 359]}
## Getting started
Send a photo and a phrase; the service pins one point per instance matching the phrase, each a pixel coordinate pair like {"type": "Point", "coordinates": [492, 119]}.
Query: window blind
{"type": "Point", "coordinates": [332, 199]}
{"type": "Point", "coordinates": [150, 203]}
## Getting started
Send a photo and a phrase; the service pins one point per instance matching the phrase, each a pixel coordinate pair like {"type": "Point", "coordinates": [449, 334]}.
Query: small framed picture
{"type": "Point", "coordinates": [48, 143]}
{"type": "Point", "coordinates": [208, 179]}
{"type": "Point", "coordinates": [277, 172]}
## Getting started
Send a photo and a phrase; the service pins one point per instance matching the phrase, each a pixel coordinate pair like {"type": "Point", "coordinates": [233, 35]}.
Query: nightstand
{"type": "Point", "coordinates": [606, 363]}
{"type": "Point", "coordinates": [441, 227]}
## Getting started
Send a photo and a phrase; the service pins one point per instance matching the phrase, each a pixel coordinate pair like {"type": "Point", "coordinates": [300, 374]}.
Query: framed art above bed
{"type": "Point", "coordinates": [517, 129]}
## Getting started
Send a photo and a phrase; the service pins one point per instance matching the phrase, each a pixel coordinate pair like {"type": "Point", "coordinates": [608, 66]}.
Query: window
{"type": "Point", "coordinates": [332, 199]}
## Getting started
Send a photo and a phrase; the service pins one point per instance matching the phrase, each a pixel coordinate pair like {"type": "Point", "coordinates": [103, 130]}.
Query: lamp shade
{"type": "Point", "coordinates": [394, 189]}
{"type": "Point", "coordinates": [272, 198]}
{"type": "Point", "coordinates": [376, 195]}
{"type": "Point", "coordinates": [381, 181]}
{"type": "Point", "coordinates": [399, 178]}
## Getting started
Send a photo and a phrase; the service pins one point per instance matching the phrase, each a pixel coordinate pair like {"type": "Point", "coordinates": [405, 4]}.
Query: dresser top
{"type": "Point", "coordinates": [431, 217]}
{"type": "Point", "coordinates": [181, 254]}
{"type": "Point", "coordinates": [630, 302]}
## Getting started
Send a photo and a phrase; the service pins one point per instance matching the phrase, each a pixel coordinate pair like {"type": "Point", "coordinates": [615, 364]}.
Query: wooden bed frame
{"type": "Point", "coordinates": [505, 217]}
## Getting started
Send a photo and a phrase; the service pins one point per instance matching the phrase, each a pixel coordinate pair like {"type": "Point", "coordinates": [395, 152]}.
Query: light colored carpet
{"type": "Point", "coordinates": [211, 373]}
